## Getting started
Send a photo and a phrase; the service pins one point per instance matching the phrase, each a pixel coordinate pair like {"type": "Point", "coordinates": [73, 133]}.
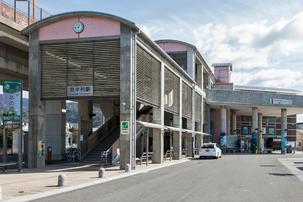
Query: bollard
{"type": "Point", "coordinates": [127, 168]}
{"type": "Point", "coordinates": [101, 173]}
{"type": "Point", "coordinates": [61, 180]}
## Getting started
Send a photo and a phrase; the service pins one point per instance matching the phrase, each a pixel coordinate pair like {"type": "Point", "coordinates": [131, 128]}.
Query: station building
{"type": "Point", "coordinates": [157, 97]}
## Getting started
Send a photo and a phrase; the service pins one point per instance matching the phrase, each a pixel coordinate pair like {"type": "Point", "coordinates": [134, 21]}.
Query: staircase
{"type": "Point", "coordinates": [94, 156]}
{"type": "Point", "coordinates": [100, 140]}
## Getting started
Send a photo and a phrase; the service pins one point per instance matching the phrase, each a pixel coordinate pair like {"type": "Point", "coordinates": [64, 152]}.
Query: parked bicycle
{"type": "Point", "coordinates": [73, 154]}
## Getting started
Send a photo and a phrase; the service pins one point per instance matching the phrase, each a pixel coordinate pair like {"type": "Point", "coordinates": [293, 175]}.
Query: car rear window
{"type": "Point", "coordinates": [208, 146]}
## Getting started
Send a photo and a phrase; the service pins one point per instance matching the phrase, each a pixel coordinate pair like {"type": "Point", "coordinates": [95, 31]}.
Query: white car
{"type": "Point", "coordinates": [210, 150]}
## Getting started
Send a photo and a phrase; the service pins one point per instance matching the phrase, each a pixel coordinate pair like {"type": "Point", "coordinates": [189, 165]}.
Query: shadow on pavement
{"type": "Point", "coordinates": [281, 174]}
{"type": "Point", "coordinates": [269, 166]}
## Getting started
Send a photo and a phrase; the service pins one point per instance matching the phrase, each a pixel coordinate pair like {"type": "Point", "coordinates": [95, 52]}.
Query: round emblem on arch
{"type": "Point", "coordinates": [78, 27]}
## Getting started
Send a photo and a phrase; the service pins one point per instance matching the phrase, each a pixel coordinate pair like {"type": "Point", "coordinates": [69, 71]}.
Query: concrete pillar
{"type": "Point", "coordinates": [189, 144]}
{"type": "Point", "coordinates": [36, 105]}
{"type": "Point", "coordinates": [254, 118]}
{"type": "Point", "coordinates": [128, 96]}
{"type": "Point", "coordinates": [206, 118]}
{"type": "Point", "coordinates": [260, 132]}
{"type": "Point", "coordinates": [158, 137]}
{"type": "Point", "coordinates": [223, 120]}
{"type": "Point", "coordinates": [53, 128]}
{"type": "Point", "coordinates": [228, 121]}
{"type": "Point", "coordinates": [177, 122]}
{"type": "Point", "coordinates": [234, 122]}
{"type": "Point", "coordinates": [158, 145]}
{"type": "Point", "coordinates": [192, 126]}
{"type": "Point", "coordinates": [199, 141]}
{"type": "Point", "coordinates": [177, 138]}
{"type": "Point", "coordinates": [85, 108]}
{"type": "Point", "coordinates": [158, 118]}
{"type": "Point", "coordinates": [177, 145]}
{"type": "Point", "coordinates": [63, 129]}
{"type": "Point", "coordinates": [283, 119]}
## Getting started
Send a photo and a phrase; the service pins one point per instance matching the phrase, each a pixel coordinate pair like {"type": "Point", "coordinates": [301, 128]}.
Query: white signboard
{"type": "Point", "coordinates": [280, 101]}
{"type": "Point", "coordinates": [80, 91]}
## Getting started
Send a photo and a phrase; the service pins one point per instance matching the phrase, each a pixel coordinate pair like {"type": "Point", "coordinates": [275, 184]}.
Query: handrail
{"type": "Point", "coordinates": [91, 141]}
{"type": "Point", "coordinates": [140, 130]}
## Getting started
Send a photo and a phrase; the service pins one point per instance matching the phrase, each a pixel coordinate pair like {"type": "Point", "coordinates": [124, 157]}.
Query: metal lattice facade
{"type": "Point", "coordinates": [186, 101]}
{"type": "Point", "coordinates": [148, 78]}
{"type": "Point", "coordinates": [90, 63]}
{"type": "Point", "coordinates": [171, 91]}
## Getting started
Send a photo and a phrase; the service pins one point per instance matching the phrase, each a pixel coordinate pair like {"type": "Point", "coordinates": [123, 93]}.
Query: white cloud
{"type": "Point", "coordinates": [263, 47]}
{"type": "Point", "coordinates": [281, 78]}
{"type": "Point", "coordinates": [258, 44]}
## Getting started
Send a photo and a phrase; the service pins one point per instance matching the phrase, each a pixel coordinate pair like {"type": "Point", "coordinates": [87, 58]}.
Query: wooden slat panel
{"type": "Point", "coordinates": [171, 91]}
{"type": "Point", "coordinates": [148, 77]}
{"type": "Point", "coordinates": [53, 71]}
{"type": "Point", "coordinates": [186, 101]}
{"type": "Point", "coordinates": [107, 68]}
{"type": "Point", "coordinates": [92, 63]}
{"type": "Point", "coordinates": [198, 102]}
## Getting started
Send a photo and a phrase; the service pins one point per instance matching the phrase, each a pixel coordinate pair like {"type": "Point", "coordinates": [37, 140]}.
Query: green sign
{"type": "Point", "coordinates": [124, 127]}
{"type": "Point", "coordinates": [11, 86]}
{"type": "Point", "coordinates": [12, 91]}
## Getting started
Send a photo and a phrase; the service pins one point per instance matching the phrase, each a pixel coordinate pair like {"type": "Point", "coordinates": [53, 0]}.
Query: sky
{"type": "Point", "coordinates": [263, 39]}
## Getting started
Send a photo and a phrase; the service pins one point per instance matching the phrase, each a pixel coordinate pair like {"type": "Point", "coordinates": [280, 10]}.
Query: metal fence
{"type": "Point", "coordinates": [22, 12]}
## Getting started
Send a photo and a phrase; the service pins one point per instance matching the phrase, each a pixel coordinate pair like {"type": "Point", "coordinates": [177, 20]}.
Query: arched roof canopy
{"type": "Point", "coordinates": [61, 16]}
{"type": "Point", "coordinates": [177, 42]}
{"type": "Point", "coordinates": [187, 45]}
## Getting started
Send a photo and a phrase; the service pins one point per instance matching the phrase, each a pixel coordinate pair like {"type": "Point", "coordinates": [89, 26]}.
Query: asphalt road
{"type": "Point", "coordinates": [233, 178]}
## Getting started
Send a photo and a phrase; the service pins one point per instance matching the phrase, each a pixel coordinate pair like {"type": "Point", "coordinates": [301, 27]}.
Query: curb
{"type": "Point", "coordinates": [31, 197]}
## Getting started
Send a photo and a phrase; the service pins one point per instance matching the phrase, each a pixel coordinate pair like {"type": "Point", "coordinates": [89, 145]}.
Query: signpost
{"type": "Point", "coordinates": [12, 112]}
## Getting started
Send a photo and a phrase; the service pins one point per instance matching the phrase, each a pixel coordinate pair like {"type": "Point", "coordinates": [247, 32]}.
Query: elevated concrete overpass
{"type": "Point", "coordinates": [13, 45]}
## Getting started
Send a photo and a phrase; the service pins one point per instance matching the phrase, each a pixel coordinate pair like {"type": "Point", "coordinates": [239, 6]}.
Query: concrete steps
{"type": "Point", "coordinates": [94, 156]}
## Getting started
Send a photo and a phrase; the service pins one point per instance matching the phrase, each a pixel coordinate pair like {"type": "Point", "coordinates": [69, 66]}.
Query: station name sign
{"type": "Point", "coordinates": [275, 101]}
{"type": "Point", "coordinates": [74, 91]}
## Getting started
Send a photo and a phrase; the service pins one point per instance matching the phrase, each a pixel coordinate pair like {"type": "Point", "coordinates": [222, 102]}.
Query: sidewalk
{"type": "Point", "coordinates": [35, 181]}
